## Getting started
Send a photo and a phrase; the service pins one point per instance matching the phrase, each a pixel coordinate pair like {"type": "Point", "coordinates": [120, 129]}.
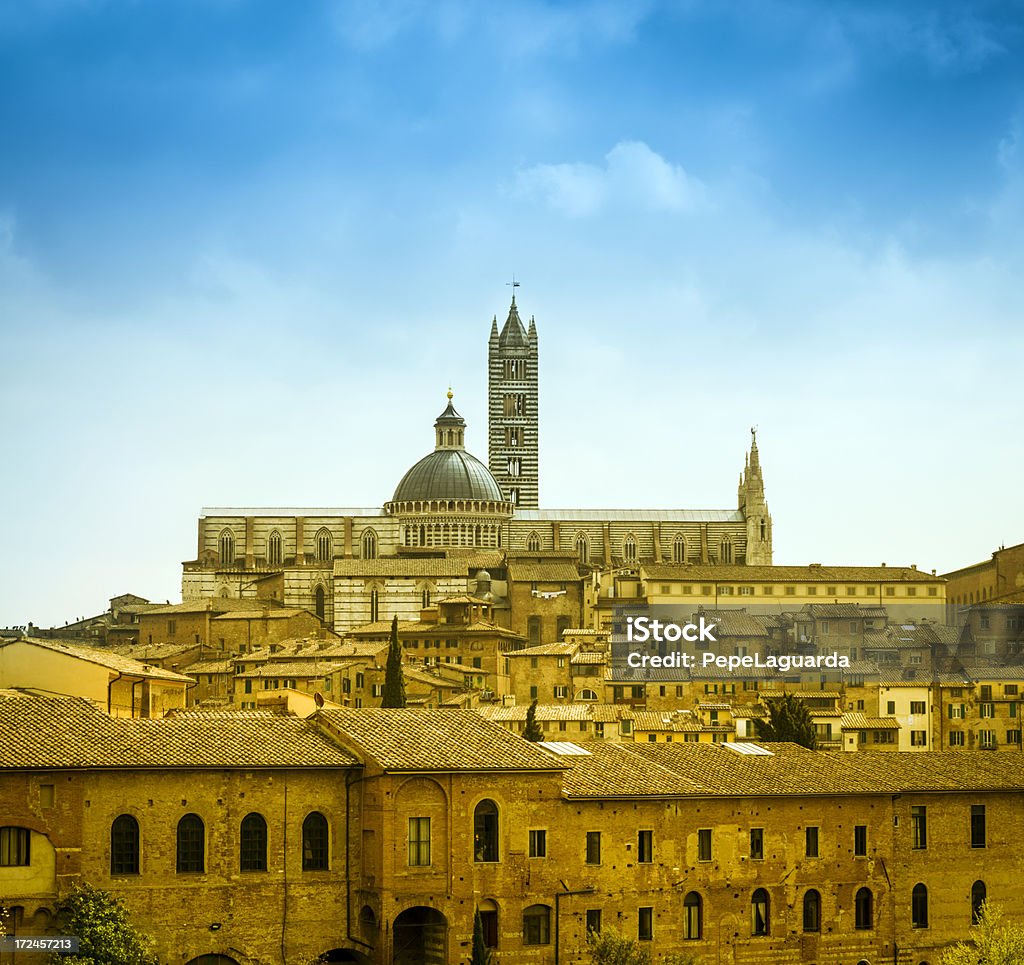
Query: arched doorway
{"type": "Point", "coordinates": [213, 959]}
{"type": "Point", "coordinates": [420, 937]}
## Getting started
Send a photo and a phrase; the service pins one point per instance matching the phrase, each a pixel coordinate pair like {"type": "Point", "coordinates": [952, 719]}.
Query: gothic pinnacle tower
{"type": "Point", "coordinates": [512, 408]}
{"type": "Point", "coordinates": [754, 506]}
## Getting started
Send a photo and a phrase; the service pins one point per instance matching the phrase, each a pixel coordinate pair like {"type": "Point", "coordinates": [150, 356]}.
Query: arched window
{"type": "Point", "coordinates": [319, 601]}
{"type": "Point", "coordinates": [227, 547]}
{"type": "Point", "coordinates": [533, 543]}
{"type": "Point", "coordinates": [760, 913]}
{"type": "Point", "coordinates": [425, 596]}
{"type": "Point", "coordinates": [323, 545]}
{"type": "Point", "coordinates": [368, 924]}
{"type": "Point", "coordinates": [537, 925]}
{"type": "Point", "coordinates": [374, 605]}
{"type": "Point", "coordinates": [124, 846]}
{"type": "Point", "coordinates": [191, 845]}
{"type": "Point", "coordinates": [978, 895]}
{"type": "Point", "coordinates": [583, 547]}
{"type": "Point", "coordinates": [253, 844]}
{"type": "Point", "coordinates": [919, 906]}
{"type": "Point", "coordinates": [315, 850]}
{"type": "Point", "coordinates": [812, 910]}
{"type": "Point", "coordinates": [485, 833]}
{"type": "Point", "coordinates": [587, 694]}
{"type": "Point", "coordinates": [369, 544]}
{"type": "Point", "coordinates": [679, 549]}
{"type": "Point", "coordinates": [274, 548]}
{"type": "Point", "coordinates": [863, 911]}
{"type": "Point", "coordinates": [726, 554]}
{"type": "Point", "coordinates": [629, 549]}
{"type": "Point", "coordinates": [693, 916]}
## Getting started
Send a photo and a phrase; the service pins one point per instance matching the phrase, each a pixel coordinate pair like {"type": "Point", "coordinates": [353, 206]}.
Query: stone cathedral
{"type": "Point", "coordinates": [455, 526]}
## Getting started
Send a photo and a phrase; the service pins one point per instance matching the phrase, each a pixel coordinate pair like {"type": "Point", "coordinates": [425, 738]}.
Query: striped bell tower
{"type": "Point", "coordinates": [512, 408]}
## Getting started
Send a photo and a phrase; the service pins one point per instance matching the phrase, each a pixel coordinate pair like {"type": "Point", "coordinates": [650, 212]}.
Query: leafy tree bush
{"type": "Point", "coordinates": [106, 934]}
{"type": "Point", "coordinates": [788, 720]}
{"type": "Point", "coordinates": [992, 941]}
{"type": "Point", "coordinates": [608, 947]}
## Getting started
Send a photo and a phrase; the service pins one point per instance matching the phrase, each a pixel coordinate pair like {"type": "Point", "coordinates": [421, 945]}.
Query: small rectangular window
{"type": "Point", "coordinates": [977, 825]}
{"type": "Point", "coordinates": [890, 707]}
{"type": "Point", "coordinates": [860, 840]}
{"type": "Point", "coordinates": [46, 795]}
{"type": "Point", "coordinates": [919, 826]}
{"type": "Point", "coordinates": [645, 924]}
{"type": "Point", "coordinates": [645, 847]}
{"type": "Point", "coordinates": [538, 843]}
{"type": "Point", "coordinates": [811, 842]}
{"type": "Point", "coordinates": [756, 844]}
{"type": "Point", "coordinates": [419, 842]}
{"type": "Point", "coordinates": [14, 847]}
{"type": "Point", "coordinates": [593, 847]}
{"type": "Point", "coordinates": [593, 920]}
{"type": "Point", "coordinates": [704, 844]}
{"type": "Point", "coordinates": [917, 706]}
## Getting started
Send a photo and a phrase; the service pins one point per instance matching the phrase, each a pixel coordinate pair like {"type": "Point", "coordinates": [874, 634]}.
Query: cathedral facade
{"type": "Point", "coordinates": [453, 523]}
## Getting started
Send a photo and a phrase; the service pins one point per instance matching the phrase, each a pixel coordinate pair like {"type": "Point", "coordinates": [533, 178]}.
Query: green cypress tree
{"type": "Point", "coordinates": [394, 682]}
{"type": "Point", "coordinates": [481, 953]}
{"type": "Point", "coordinates": [532, 731]}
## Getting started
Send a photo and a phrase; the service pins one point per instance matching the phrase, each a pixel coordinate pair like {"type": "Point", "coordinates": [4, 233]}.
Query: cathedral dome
{"type": "Point", "coordinates": [449, 472]}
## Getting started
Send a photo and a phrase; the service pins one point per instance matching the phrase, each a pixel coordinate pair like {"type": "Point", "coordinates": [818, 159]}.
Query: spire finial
{"type": "Point", "coordinates": [753, 435]}
{"type": "Point", "coordinates": [514, 285]}
{"type": "Point", "coordinates": [451, 395]}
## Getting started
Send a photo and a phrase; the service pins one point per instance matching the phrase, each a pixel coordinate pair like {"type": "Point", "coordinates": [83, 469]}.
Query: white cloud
{"type": "Point", "coordinates": [633, 176]}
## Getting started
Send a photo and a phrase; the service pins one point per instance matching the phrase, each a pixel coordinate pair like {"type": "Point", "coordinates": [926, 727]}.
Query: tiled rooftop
{"type": "Point", "coordinates": [547, 650]}
{"type": "Point", "coordinates": [549, 571]}
{"type": "Point", "coordinates": [306, 669]}
{"type": "Point", "coordinates": [680, 769]}
{"type": "Point", "coordinates": [736, 573]}
{"type": "Point", "coordinates": [103, 658]}
{"type": "Point", "coordinates": [69, 732]}
{"type": "Point", "coordinates": [436, 740]}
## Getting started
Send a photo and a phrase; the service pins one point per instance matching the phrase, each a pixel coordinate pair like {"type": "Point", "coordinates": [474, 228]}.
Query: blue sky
{"type": "Point", "coordinates": [246, 246]}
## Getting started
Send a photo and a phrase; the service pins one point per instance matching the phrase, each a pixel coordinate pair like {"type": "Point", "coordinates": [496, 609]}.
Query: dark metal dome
{"type": "Point", "coordinates": [448, 474]}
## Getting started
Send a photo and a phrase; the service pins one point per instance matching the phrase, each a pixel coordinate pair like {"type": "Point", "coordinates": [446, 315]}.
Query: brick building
{"type": "Point", "coordinates": [371, 836]}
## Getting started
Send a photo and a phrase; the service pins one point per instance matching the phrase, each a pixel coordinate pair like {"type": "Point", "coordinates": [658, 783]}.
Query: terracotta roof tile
{"type": "Point", "coordinates": [549, 571]}
{"type": "Point", "coordinates": [685, 769]}
{"type": "Point", "coordinates": [435, 740]}
{"type": "Point", "coordinates": [103, 658]}
{"type": "Point", "coordinates": [737, 573]}
{"type": "Point", "coordinates": [69, 732]}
